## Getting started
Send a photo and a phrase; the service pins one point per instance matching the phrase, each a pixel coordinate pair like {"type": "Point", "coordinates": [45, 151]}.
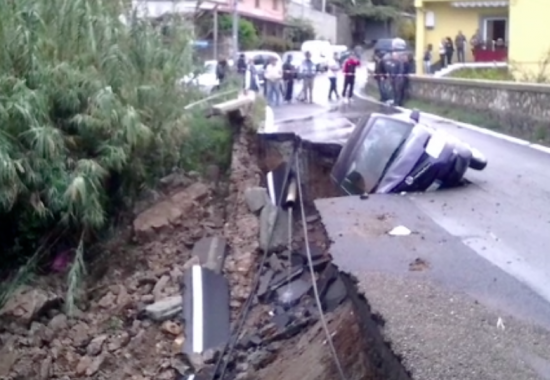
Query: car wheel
{"type": "Point", "coordinates": [478, 160]}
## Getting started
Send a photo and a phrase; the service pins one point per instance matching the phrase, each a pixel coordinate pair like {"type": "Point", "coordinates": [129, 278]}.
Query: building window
{"type": "Point", "coordinates": [495, 28]}
{"type": "Point", "coordinates": [275, 4]}
{"type": "Point", "coordinates": [257, 3]}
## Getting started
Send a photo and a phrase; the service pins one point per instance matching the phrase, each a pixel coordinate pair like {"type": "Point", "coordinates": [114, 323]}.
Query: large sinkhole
{"type": "Point", "coordinates": [356, 332]}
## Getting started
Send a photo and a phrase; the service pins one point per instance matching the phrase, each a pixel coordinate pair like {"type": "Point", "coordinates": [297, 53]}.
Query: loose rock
{"type": "Point", "coordinates": [27, 303]}
{"type": "Point", "coordinates": [273, 228]}
{"type": "Point", "coordinates": [171, 328]}
{"type": "Point", "coordinates": [164, 309]}
{"type": "Point", "coordinates": [256, 198]}
{"type": "Point", "coordinates": [95, 346]}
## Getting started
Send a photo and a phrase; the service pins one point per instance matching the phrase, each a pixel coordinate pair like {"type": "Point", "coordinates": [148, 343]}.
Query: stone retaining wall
{"type": "Point", "coordinates": [521, 109]}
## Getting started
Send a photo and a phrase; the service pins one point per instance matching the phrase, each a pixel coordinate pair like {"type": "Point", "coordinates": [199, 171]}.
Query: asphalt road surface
{"type": "Point", "coordinates": [477, 303]}
{"type": "Point", "coordinates": [504, 215]}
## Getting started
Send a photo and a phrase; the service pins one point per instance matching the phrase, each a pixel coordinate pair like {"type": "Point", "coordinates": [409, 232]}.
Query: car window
{"type": "Point", "coordinates": [210, 68]}
{"type": "Point", "coordinates": [384, 44]}
{"type": "Point", "coordinates": [259, 59]}
{"type": "Point", "coordinates": [376, 152]}
{"type": "Point", "coordinates": [269, 57]}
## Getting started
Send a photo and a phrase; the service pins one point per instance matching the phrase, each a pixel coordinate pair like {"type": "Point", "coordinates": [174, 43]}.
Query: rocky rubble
{"type": "Point", "coordinates": [129, 323]}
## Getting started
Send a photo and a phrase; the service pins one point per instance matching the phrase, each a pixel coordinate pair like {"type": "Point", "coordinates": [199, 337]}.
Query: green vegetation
{"type": "Point", "coordinates": [496, 74]}
{"type": "Point", "coordinates": [297, 31]}
{"type": "Point", "coordinates": [248, 35]}
{"type": "Point", "coordinates": [461, 115]}
{"type": "Point", "coordinates": [363, 11]}
{"type": "Point", "coordinates": [536, 133]}
{"type": "Point", "coordinates": [91, 115]}
{"type": "Point", "coordinates": [276, 44]}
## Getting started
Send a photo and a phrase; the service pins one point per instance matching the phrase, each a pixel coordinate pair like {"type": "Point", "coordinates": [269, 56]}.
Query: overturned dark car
{"type": "Point", "coordinates": [397, 153]}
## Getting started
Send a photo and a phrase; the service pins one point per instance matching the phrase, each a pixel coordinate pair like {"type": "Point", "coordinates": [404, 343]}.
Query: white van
{"type": "Point", "coordinates": [320, 51]}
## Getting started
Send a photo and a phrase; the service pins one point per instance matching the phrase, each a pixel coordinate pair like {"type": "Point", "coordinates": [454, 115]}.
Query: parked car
{"type": "Point", "coordinates": [321, 52]}
{"type": "Point", "coordinates": [261, 58]}
{"type": "Point", "coordinates": [390, 45]}
{"type": "Point", "coordinates": [297, 57]}
{"type": "Point", "coordinates": [206, 79]}
{"type": "Point", "coordinates": [397, 153]}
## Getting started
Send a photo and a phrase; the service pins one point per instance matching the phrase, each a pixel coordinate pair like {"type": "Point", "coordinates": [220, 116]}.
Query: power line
{"type": "Point", "coordinates": [313, 280]}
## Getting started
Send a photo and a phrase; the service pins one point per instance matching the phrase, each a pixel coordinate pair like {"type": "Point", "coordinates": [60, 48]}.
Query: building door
{"type": "Point", "coordinates": [495, 28]}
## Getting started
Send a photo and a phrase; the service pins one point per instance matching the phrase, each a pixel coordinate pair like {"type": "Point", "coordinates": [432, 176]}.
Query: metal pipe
{"type": "Point", "coordinates": [291, 193]}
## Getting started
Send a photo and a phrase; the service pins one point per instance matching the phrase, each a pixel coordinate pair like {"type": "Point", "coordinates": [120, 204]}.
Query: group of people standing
{"type": "Point", "coordinates": [448, 48]}
{"type": "Point", "coordinates": [279, 80]}
{"type": "Point", "coordinates": [391, 73]}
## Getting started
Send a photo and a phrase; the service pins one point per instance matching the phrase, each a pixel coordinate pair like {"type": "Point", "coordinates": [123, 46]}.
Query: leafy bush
{"type": "Point", "coordinates": [90, 114]}
{"type": "Point", "coordinates": [276, 44]}
{"type": "Point", "coordinates": [406, 29]}
{"type": "Point", "coordinates": [248, 36]}
{"type": "Point", "coordinates": [298, 31]}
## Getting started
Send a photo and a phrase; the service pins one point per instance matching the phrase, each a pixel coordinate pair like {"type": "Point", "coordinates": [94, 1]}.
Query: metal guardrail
{"type": "Point", "coordinates": [211, 98]}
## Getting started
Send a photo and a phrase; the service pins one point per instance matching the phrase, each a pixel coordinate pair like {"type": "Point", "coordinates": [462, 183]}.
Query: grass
{"type": "Point", "coordinates": [454, 113]}
{"type": "Point", "coordinates": [91, 115]}
{"type": "Point", "coordinates": [539, 133]}
{"type": "Point", "coordinates": [494, 74]}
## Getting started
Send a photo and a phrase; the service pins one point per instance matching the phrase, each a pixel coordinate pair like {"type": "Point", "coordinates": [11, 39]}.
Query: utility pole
{"type": "Point", "coordinates": [216, 41]}
{"type": "Point", "coordinates": [235, 29]}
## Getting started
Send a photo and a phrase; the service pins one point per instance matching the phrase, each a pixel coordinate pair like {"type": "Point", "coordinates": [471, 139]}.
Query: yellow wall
{"type": "Point", "coordinates": [529, 43]}
{"type": "Point", "coordinates": [449, 20]}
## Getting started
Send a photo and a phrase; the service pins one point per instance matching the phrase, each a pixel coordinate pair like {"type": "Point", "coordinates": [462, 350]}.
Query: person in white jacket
{"type": "Point", "coordinates": [273, 75]}
{"type": "Point", "coordinates": [333, 69]}
{"type": "Point", "coordinates": [251, 80]}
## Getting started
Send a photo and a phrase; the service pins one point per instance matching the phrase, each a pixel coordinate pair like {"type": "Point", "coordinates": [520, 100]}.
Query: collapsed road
{"type": "Point", "coordinates": [464, 293]}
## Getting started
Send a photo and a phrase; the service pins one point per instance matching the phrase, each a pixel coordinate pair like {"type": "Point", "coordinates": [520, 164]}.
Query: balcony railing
{"type": "Point", "coordinates": [491, 51]}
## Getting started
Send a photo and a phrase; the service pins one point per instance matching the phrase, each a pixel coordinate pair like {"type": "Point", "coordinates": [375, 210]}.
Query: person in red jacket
{"type": "Point", "coordinates": [350, 65]}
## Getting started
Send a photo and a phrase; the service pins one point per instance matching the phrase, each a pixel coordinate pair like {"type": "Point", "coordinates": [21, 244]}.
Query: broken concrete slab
{"type": "Point", "coordinates": [274, 228]}
{"type": "Point", "coordinates": [326, 278]}
{"type": "Point", "coordinates": [335, 295]}
{"type": "Point", "coordinates": [275, 263]}
{"type": "Point", "coordinates": [314, 250]}
{"type": "Point", "coordinates": [211, 252]}
{"type": "Point", "coordinates": [206, 310]}
{"type": "Point", "coordinates": [291, 293]}
{"type": "Point", "coordinates": [256, 198]}
{"type": "Point", "coordinates": [281, 278]}
{"type": "Point", "coordinates": [320, 262]}
{"type": "Point", "coordinates": [265, 280]}
{"type": "Point", "coordinates": [164, 309]}
{"type": "Point", "coordinates": [276, 183]}
{"type": "Point", "coordinates": [281, 320]}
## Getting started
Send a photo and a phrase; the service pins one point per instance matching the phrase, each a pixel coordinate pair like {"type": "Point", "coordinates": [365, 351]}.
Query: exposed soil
{"type": "Point", "coordinates": [108, 338]}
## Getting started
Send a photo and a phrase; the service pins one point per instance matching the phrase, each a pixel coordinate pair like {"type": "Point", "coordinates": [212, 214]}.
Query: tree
{"type": "Point", "coordinates": [380, 10]}
{"type": "Point", "coordinates": [299, 30]}
{"type": "Point", "coordinates": [248, 36]}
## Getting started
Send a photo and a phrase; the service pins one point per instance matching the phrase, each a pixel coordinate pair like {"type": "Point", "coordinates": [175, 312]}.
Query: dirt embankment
{"type": "Point", "coordinates": [111, 336]}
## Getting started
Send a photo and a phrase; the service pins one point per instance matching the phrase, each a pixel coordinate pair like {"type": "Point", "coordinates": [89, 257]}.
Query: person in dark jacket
{"type": "Point", "coordinates": [221, 70]}
{"type": "Point", "coordinates": [380, 76]}
{"type": "Point", "coordinates": [289, 72]}
{"type": "Point", "coordinates": [449, 50]}
{"type": "Point", "coordinates": [241, 64]}
{"type": "Point", "coordinates": [396, 78]}
{"type": "Point", "coordinates": [349, 68]}
{"type": "Point", "coordinates": [408, 68]}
